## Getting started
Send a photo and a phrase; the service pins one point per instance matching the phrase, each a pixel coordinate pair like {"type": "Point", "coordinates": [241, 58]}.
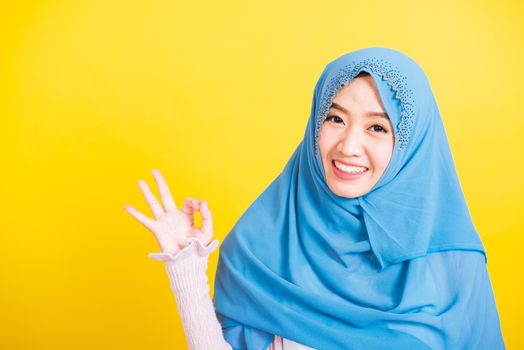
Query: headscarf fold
{"type": "Point", "coordinates": [350, 273]}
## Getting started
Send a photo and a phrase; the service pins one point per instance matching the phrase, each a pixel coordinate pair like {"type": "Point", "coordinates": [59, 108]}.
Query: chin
{"type": "Point", "coordinates": [346, 193]}
{"type": "Point", "coordinates": [349, 195]}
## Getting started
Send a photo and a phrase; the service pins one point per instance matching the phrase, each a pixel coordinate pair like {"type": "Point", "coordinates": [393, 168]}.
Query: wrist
{"type": "Point", "coordinates": [171, 248]}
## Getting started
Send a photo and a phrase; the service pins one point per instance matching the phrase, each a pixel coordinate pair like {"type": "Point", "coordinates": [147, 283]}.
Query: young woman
{"type": "Point", "coordinates": [363, 241]}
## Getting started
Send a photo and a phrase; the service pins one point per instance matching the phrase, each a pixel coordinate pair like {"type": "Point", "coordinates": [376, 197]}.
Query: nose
{"type": "Point", "coordinates": [351, 143]}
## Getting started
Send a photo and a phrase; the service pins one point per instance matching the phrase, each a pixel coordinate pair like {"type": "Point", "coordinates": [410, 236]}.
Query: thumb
{"type": "Point", "coordinates": [207, 220]}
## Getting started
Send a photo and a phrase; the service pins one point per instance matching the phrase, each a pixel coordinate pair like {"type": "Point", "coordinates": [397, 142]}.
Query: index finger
{"type": "Point", "coordinates": [165, 194]}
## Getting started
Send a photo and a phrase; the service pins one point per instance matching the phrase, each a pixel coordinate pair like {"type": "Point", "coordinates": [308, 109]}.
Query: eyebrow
{"type": "Point", "coordinates": [371, 114]}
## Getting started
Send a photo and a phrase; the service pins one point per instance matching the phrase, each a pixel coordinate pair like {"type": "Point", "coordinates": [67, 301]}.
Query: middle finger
{"type": "Point", "coordinates": [165, 194]}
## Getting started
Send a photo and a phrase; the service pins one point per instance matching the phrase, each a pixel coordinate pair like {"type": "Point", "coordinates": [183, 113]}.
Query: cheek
{"type": "Point", "coordinates": [383, 155]}
{"type": "Point", "coordinates": [324, 142]}
{"type": "Point", "coordinates": [327, 140]}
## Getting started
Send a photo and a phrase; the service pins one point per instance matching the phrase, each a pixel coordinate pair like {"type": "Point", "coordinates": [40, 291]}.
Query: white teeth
{"type": "Point", "coordinates": [350, 169]}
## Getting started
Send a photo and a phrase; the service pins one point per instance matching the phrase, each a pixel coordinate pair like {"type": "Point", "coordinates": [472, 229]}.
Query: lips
{"type": "Point", "coordinates": [349, 164]}
{"type": "Point", "coordinates": [345, 176]}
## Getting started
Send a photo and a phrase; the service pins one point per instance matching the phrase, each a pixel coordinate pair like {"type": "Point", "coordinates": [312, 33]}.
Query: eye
{"type": "Point", "coordinates": [335, 118]}
{"type": "Point", "coordinates": [379, 128]}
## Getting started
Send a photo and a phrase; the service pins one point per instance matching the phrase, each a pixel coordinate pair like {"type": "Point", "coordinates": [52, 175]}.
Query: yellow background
{"type": "Point", "coordinates": [94, 94]}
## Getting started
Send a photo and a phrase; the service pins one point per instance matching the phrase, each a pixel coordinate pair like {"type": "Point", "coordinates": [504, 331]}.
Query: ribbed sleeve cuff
{"type": "Point", "coordinates": [187, 268]}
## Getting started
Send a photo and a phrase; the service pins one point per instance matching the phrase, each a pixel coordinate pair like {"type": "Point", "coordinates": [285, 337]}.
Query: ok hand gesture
{"type": "Point", "coordinates": [172, 227]}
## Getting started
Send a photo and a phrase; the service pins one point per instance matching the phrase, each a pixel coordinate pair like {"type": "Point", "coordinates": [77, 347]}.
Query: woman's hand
{"type": "Point", "coordinates": [171, 226]}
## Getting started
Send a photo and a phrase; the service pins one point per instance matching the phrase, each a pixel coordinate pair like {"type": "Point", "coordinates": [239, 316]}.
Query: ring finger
{"type": "Point", "coordinates": [155, 206]}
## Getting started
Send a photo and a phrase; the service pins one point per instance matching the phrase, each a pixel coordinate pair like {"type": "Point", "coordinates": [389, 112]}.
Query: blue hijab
{"type": "Point", "coordinates": [400, 267]}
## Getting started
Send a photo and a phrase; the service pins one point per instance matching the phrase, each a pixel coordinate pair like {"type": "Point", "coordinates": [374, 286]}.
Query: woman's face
{"type": "Point", "coordinates": [356, 139]}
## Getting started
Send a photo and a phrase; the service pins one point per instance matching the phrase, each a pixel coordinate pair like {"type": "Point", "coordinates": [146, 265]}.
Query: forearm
{"type": "Point", "coordinates": [189, 283]}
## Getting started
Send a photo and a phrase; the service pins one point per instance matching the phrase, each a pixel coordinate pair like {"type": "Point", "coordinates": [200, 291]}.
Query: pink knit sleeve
{"type": "Point", "coordinates": [188, 279]}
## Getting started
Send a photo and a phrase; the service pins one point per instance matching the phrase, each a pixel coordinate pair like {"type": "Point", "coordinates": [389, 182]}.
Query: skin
{"type": "Point", "coordinates": [352, 136]}
{"type": "Point", "coordinates": [356, 136]}
{"type": "Point", "coordinates": [172, 227]}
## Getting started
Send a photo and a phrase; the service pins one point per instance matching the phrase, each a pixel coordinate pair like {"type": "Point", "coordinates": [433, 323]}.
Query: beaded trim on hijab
{"type": "Point", "coordinates": [392, 76]}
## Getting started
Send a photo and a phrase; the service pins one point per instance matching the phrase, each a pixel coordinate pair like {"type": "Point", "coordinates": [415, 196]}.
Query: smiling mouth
{"type": "Point", "coordinates": [348, 169]}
